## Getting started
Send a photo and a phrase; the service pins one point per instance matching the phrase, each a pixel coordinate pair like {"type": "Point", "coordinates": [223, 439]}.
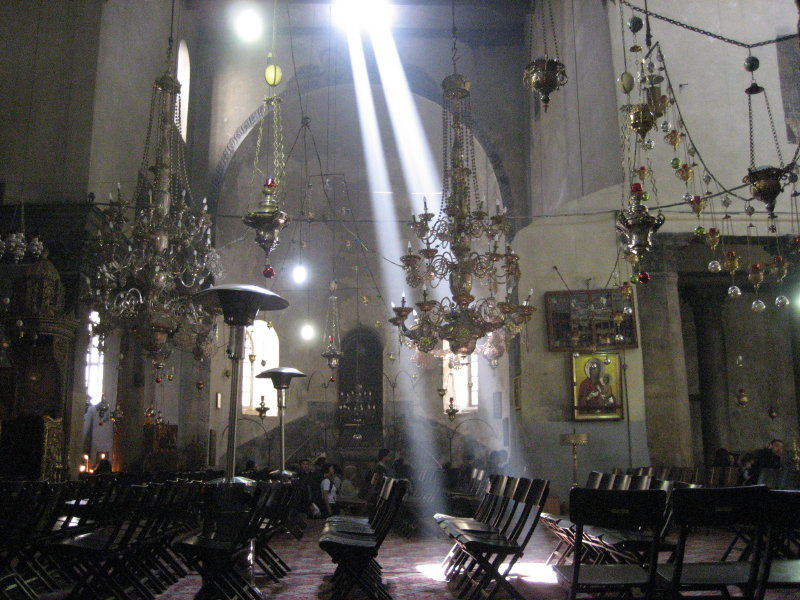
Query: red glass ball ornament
{"type": "Point", "coordinates": [268, 272]}
{"type": "Point", "coordinates": [158, 380]}
{"type": "Point", "coordinates": [796, 241]}
{"type": "Point", "coordinates": [636, 188]}
{"type": "Point", "coordinates": [777, 259]}
{"type": "Point", "coordinates": [731, 254]}
{"type": "Point", "coordinates": [270, 182]}
{"type": "Point", "coordinates": [755, 267]}
{"type": "Point", "coordinates": [332, 379]}
{"type": "Point", "coordinates": [643, 277]}
{"type": "Point", "coordinates": [713, 230]}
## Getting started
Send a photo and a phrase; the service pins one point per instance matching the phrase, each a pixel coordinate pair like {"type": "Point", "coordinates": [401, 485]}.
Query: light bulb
{"type": "Point", "coordinates": [299, 274]}
{"type": "Point", "coordinates": [307, 332]}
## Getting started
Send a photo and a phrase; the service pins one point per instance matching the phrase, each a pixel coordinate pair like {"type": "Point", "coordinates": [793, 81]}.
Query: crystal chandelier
{"type": "Point", "coordinates": [454, 249]}
{"type": "Point", "coordinates": [17, 246]}
{"type": "Point", "coordinates": [154, 251]}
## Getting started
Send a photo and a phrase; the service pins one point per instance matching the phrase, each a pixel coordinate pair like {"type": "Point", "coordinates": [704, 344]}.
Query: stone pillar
{"type": "Point", "coordinates": [712, 367]}
{"type": "Point", "coordinates": [669, 431]}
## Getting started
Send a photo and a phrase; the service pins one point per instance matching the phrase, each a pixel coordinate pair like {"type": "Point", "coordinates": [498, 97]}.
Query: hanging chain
{"type": "Point", "coordinates": [256, 168]}
{"type": "Point", "coordinates": [454, 31]}
{"type": "Point", "coordinates": [552, 26]}
{"type": "Point", "coordinates": [529, 30]}
{"type": "Point", "coordinates": [750, 126]}
{"type": "Point", "coordinates": [716, 36]}
{"type": "Point", "coordinates": [280, 160]}
{"type": "Point", "coordinates": [544, 33]}
{"type": "Point", "coordinates": [772, 127]}
{"type": "Point", "coordinates": [622, 35]}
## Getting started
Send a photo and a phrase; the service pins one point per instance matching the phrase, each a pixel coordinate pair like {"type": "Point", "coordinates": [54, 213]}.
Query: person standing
{"type": "Point", "coordinates": [328, 489]}
{"type": "Point", "coordinates": [768, 457]}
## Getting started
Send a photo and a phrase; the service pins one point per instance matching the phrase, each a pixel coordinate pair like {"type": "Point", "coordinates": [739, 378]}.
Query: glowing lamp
{"type": "Point", "coordinates": [273, 75]}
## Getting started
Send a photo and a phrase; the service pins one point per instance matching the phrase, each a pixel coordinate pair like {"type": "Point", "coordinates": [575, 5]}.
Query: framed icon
{"type": "Point", "coordinates": [597, 386]}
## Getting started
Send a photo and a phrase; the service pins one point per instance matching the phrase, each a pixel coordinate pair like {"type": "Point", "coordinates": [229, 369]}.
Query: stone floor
{"type": "Point", "coordinates": [412, 570]}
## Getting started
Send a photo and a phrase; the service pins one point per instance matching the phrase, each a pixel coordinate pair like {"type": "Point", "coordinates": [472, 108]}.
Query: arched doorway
{"type": "Point", "coordinates": [359, 409]}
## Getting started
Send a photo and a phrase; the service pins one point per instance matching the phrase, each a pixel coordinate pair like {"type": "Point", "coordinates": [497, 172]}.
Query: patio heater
{"type": "Point", "coordinates": [239, 304]}
{"type": "Point", "coordinates": [281, 378]}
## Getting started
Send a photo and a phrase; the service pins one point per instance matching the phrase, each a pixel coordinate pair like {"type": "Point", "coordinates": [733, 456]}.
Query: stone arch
{"type": "Point", "coordinates": [311, 78]}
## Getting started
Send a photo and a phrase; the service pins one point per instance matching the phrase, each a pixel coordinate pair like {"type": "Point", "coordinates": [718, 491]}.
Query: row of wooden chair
{"type": "Point", "coordinates": [705, 476]}
{"type": "Point", "coordinates": [353, 543]}
{"type": "Point", "coordinates": [487, 545]}
{"type": "Point", "coordinates": [773, 516]}
{"type": "Point", "coordinates": [603, 545]}
{"type": "Point", "coordinates": [105, 538]}
{"type": "Point", "coordinates": [464, 500]}
{"type": "Point", "coordinates": [237, 521]}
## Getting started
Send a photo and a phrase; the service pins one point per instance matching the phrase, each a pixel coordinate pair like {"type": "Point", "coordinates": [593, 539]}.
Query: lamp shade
{"type": "Point", "coordinates": [239, 303]}
{"type": "Point", "coordinates": [281, 376]}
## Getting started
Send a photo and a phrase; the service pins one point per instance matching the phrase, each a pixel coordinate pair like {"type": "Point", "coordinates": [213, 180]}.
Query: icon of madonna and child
{"type": "Point", "coordinates": [597, 395]}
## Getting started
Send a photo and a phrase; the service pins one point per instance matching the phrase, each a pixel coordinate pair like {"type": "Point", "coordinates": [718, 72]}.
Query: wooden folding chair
{"type": "Point", "coordinates": [622, 510]}
{"type": "Point", "coordinates": [694, 508]}
{"type": "Point", "coordinates": [781, 569]}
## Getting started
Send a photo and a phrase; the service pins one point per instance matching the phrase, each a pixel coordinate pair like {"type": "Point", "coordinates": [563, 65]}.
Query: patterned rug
{"type": "Point", "coordinates": [411, 569]}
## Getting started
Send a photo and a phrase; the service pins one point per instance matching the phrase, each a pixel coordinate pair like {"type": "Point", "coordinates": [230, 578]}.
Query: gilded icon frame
{"type": "Point", "coordinates": [597, 391]}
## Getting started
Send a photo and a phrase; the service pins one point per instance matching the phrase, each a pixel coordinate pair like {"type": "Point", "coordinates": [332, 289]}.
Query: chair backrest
{"type": "Point", "coordinates": [531, 496]}
{"type": "Point", "coordinates": [790, 479]}
{"type": "Point", "coordinates": [661, 472]}
{"type": "Point", "coordinates": [640, 482]}
{"type": "Point", "coordinates": [661, 484]}
{"type": "Point", "coordinates": [627, 510]}
{"type": "Point", "coordinates": [729, 476]}
{"type": "Point", "coordinates": [769, 477]}
{"type": "Point", "coordinates": [607, 481]}
{"type": "Point", "coordinates": [694, 507]}
{"type": "Point", "coordinates": [593, 480]}
{"type": "Point", "coordinates": [492, 489]}
{"type": "Point", "coordinates": [782, 513]}
{"type": "Point", "coordinates": [621, 482]}
{"type": "Point", "coordinates": [384, 520]}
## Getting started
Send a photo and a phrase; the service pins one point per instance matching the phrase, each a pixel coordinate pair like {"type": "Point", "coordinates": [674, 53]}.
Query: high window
{"type": "Point", "coordinates": [261, 343]}
{"type": "Point", "coordinates": [94, 365]}
{"type": "Point", "coordinates": [460, 376]}
{"type": "Point", "coordinates": [184, 68]}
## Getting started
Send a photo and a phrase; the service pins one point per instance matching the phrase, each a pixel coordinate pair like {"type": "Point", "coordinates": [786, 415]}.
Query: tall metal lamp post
{"type": "Point", "coordinates": [281, 378]}
{"type": "Point", "coordinates": [574, 439]}
{"type": "Point", "coordinates": [239, 305]}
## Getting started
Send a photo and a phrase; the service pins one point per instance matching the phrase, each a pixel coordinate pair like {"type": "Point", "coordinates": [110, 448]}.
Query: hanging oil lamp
{"type": "Point", "coordinates": [544, 75]}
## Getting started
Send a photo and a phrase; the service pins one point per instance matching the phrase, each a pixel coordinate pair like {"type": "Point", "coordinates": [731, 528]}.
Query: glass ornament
{"type": "Point", "coordinates": [734, 292]}
{"type": "Point", "coordinates": [627, 311]}
{"type": "Point", "coordinates": [687, 197]}
{"type": "Point", "coordinates": [675, 163]}
{"type": "Point", "coordinates": [758, 305]}
{"type": "Point", "coordinates": [643, 277]}
{"type": "Point", "coordinates": [751, 64]}
{"type": "Point", "coordinates": [714, 266]}
{"type": "Point", "coordinates": [648, 144]}
{"type": "Point", "coordinates": [665, 126]}
{"type": "Point", "coordinates": [699, 231]}
{"type": "Point", "coordinates": [726, 201]}
{"type": "Point", "coordinates": [625, 82]}
{"type": "Point", "coordinates": [635, 24]}
{"type": "Point", "coordinates": [781, 301]}
{"type": "Point", "coordinates": [749, 210]}
{"type": "Point", "coordinates": [619, 338]}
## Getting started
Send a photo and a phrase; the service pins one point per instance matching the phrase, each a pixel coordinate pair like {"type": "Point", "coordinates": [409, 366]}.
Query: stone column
{"type": "Point", "coordinates": [712, 367]}
{"type": "Point", "coordinates": [669, 431]}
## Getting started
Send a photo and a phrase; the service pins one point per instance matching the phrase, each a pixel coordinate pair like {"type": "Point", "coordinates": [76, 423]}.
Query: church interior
{"type": "Point", "coordinates": [544, 237]}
